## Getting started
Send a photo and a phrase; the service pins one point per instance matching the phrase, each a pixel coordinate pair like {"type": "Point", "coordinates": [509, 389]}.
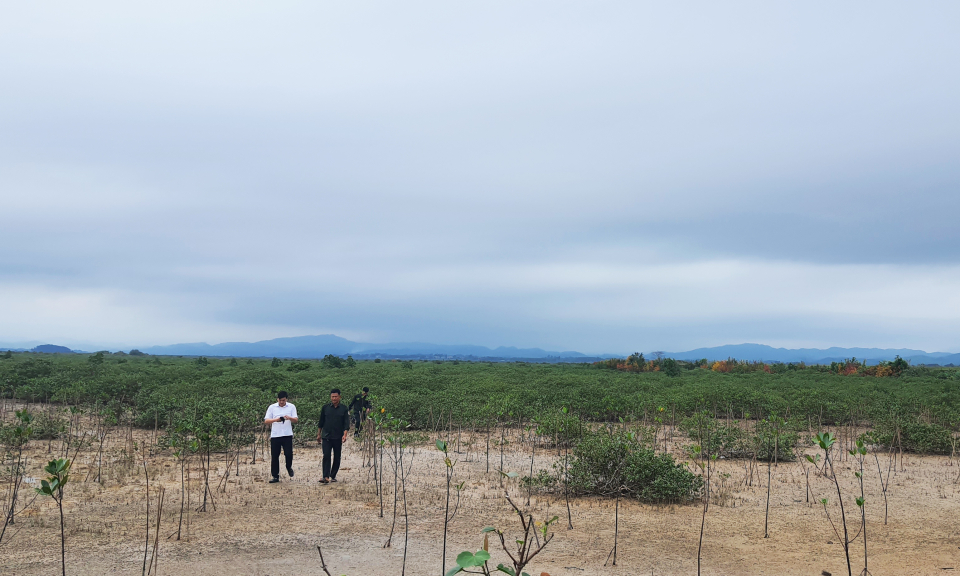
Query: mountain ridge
{"type": "Point", "coordinates": [317, 346]}
{"type": "Point", "coordinates": [321, 345]}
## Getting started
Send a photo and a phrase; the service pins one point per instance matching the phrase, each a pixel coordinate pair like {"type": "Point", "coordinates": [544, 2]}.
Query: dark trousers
{"type": "Point", "coordinates": [285, 442]}
{"type": "Point", "coordinates": [334, 445]}
{"type": "Point", "coordinates": [357, 423]}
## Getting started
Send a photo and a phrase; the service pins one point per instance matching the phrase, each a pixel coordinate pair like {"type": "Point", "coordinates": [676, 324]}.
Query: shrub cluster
{"type": "Point", "coordinates": [607, 461]}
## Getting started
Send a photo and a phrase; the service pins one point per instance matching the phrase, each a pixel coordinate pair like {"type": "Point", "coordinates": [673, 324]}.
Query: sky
{"type": "Point", "coordinates": [602, 177]}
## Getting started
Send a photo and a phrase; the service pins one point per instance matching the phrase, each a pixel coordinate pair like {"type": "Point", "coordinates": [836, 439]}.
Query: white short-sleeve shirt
{"type": "Point", "coordinates": [284, 428]}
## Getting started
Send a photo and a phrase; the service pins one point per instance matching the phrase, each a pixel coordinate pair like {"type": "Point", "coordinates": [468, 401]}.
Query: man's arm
{"type": "Point", "coordinates": [346, 424]}
{"type": "Point", "coordinates": [323, 417]}
{"type": "Point", "coordinates": [293, 417]}
{"type": "Point", "coordinates": [267, 419]}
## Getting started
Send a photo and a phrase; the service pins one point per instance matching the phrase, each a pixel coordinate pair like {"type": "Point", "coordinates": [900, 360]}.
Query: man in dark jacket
{"type": "Point", "coordinates": [359, 408]}
{"type": "Point", "coordinates": [332, 433]}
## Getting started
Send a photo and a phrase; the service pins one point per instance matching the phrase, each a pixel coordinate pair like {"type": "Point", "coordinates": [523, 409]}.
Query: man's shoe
{"type": "Point", "coordinates": [323, 481]}
{"type": "Point", "coordinates": [274, 480]}
{"type": "Point", "coordinates": [290, 472]}
{"type": "Point", "coordinates": [333, 479]}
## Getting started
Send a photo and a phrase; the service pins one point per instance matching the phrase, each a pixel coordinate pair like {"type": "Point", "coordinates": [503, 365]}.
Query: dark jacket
{"type": "Point", "coordinates": [360, 404]}
{"type": "Point", "coordinates": [334, 421]}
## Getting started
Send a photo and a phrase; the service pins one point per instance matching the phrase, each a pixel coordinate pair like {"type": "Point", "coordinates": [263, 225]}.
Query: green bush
{"type": "Point", "coordinates": [605, 462]}
{"type": "Point", "coordinates": [919, 437]}
{"type": "Point", "coordinates": [733, 440]}
{"type": "Point", "coordinates": [298, 367]}
{"type": "Point", "coordinates": [331, 361]}
{"type": "Point", "coordinates": [542, 480]}
{"type": "Point", "coordinates": [47, 424]}
{"type": "Point", "coordinates": [670, 367]}
{"type": "Point", "coordinates": [559, 427]}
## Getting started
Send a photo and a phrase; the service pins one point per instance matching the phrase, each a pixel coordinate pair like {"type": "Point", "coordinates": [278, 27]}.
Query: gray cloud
{"type": "Point", "coordinates": [568, 176]}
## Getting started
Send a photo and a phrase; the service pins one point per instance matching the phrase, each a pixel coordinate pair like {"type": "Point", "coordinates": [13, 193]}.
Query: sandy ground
{"type": "Point", "coordinates": [273, 529]}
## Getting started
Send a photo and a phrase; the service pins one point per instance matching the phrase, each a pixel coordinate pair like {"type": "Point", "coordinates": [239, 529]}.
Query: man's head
{"type": "Point", "coordinates": [335, 396]}
{"type": "Point", "coordinates": [365, 390]}
{"type": "Point", "coordinates": [282, 398]}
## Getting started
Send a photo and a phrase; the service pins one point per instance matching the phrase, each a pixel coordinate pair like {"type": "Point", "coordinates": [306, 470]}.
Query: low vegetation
{"type": "Point", "coordinates": [610, 430]}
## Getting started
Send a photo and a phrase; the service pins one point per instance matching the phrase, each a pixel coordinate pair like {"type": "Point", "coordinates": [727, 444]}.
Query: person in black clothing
{"type": "Point", "coordinates": [359, 408]}
{"type": "Point", "coordinates": [332, 433]}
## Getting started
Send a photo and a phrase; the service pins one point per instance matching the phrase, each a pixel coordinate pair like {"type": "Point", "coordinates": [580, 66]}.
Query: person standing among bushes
{"type": "Point", "coordinates": [359, 408]}
{"type": "Point", "coordinates": [281, 415]}
{"type": "Point", "coordinates": [332, 432]}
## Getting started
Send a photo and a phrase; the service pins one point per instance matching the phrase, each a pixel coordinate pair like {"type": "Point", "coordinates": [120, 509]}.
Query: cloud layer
{"type": "Point", "coordinates": [599, 178]}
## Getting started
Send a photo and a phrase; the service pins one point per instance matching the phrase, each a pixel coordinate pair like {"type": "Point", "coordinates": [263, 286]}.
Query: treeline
{"type": "Point", "coordinates": [232, 394]}
{"type": "Point", "coordinates": [671, 367]}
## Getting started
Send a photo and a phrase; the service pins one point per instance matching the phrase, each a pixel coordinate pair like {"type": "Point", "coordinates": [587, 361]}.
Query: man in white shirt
{"type": "Point", "coordinates": [282, 416]}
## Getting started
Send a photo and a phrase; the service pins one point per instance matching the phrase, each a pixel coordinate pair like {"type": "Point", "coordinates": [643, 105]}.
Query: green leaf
{"type": "Point", "coordinates": [441, 446]}
{"type": "Point", "coordinates": [488, 529]}
{"type": "Point", "coordinates": [465, 559]}
{"type": "Point", "coordinates": [481, 556]}
{"type": "Point", "coordinates": [454, 570]}
{"type": "Point", "coordinates": [506, 570]}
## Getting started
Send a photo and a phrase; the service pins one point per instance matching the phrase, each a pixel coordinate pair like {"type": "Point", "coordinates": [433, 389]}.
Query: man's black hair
{"type": "Point", "coordinates": [281, 394]}
{"type": "Point", "coordinates": [335, 391]}
{"type": "Point", "coordinates": [365, 389]}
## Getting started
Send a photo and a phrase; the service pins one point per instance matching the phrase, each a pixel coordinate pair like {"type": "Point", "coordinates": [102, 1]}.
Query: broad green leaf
{"type": "Point", "coordinates": [488, 529]}
{"type": "Point", "coordinates": [454, 570]}
{"type": "Point", "coordinates": [465, 559]}
{"type": "Point", "coordinates": [481, 556]}
{"type": "Point", "coordinates": [506, 570]}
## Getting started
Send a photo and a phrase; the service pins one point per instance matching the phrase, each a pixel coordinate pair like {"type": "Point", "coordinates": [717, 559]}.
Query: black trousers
{"type": "Point", "coordinates": [357, 423]}
{"type": "Point", "coordinates": [334, 445]}
{"type": "Point", "coordinates": [285, 442]}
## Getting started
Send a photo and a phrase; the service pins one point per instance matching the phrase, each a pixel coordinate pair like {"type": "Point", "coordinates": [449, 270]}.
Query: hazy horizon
{"type": "Point", "coordinates": [91, 347]}
{"type": "Point", "coordinates": [598, 178]}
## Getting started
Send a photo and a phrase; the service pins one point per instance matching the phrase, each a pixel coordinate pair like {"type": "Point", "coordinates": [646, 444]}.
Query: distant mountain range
{"type": "Point", "coordinates": [320, 346]}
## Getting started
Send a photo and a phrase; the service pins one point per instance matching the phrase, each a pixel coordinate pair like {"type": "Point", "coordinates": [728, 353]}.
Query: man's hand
{"type": "Point", "coordinates": [344, 436]}
{"type": "Point", "coordinates": [318, 436]}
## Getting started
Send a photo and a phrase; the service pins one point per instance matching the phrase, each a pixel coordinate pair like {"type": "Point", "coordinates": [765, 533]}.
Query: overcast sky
{"type": "Point", "coordinates": [592, 176]}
